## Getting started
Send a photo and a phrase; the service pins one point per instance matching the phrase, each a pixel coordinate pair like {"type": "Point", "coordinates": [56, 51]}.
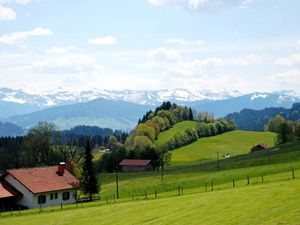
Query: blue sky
{"type": "Point", "coordinates": [216, 45]}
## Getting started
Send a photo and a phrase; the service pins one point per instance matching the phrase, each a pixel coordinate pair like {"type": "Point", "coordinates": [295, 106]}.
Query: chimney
{"type": "Point", "coordinates": [61, 169]}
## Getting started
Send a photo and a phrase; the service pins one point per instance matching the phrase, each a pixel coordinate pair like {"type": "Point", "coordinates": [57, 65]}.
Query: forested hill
{"type": "Point", "coordinates": [249, 119]}
{"type": "Point", "coordinates": [10, 129]}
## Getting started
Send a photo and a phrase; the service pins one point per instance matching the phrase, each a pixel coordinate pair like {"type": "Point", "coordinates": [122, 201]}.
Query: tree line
{"type": "Point", "coordinates": [140, 144]}
{"type": "Point", "coordinates": [286, 130]}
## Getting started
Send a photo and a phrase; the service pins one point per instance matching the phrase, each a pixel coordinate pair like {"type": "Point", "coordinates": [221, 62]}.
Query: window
{"type": "Point", "coordinates": [56, 195]}
{"type": "Point", "coordinates": [51, 196]}
{"type": "Point", "coordinates": [66, 196]}
{"type": "Point", "coordinates": [42, 199]}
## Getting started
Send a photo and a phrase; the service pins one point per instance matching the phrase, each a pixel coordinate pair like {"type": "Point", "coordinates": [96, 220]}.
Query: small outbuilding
{"type": "Point", "coordinates": [135, 165]}
{"type": "Point", "coordinates": [259, 147]}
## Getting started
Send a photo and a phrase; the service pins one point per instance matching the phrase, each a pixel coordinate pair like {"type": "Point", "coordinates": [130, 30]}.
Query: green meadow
{"type": "Point", "coordinates": [193, 191]}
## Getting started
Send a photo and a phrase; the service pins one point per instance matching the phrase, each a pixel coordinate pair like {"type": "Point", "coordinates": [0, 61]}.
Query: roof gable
{"type": "Point", "coordinates": [134, 162]}
{"type": "Point", "coordinates": [44, 179]}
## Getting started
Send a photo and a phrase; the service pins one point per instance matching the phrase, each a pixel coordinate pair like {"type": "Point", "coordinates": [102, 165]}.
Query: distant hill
{"type": "Point", "coordinates": [256, 101]}
{"type": "Point", "coordinates": [99, 112]}
{"type": "Point", "coordinates": [249, 119]}
{"type": "Point", "coordinates": [10, 129]}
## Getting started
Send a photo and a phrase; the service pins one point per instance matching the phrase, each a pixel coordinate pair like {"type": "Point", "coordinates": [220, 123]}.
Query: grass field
{"type": "Point", "coordinates": [232, 143]}
{"type": "Point", "coordinates": [274, 201]}
{"type": "Point", "coordinates": [177, 128]}
{"type": "Point", "coordinates": [268, 203]}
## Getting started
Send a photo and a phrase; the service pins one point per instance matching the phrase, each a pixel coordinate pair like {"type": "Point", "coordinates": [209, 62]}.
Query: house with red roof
{"type": "Point", "coordinates": [135, 165]}
{"type": "Point", "coordinates": [38, 187]}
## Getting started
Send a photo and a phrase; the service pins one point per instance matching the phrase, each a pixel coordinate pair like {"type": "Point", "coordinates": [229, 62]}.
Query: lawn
{"type": "Point", "coordinates": [232, 143]}
{"type": "Point", "coordinates": [267, 203]}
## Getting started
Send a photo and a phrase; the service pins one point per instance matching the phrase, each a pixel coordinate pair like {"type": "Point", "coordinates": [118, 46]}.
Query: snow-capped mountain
{"type": "Point", "coordinates": [148, 97]}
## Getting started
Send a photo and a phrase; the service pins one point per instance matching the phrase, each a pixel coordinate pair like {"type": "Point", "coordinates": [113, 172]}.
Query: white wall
{"type": "Point", "coordinates": [55, 202]}
{"type": "Point", "coordinates": [31, 200]}
{"type": "Point", "coordinates": [27, 198]}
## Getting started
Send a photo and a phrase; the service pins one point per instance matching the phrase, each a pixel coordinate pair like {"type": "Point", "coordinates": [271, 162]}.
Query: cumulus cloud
{"type": "Point", "coordinates": [66, 64]}
{"type": "Point", "coordinates": [108, 40]}
{"type": "Point", "coordinates": [20, 37]}
{"type": "Point", "coordinates": [287, 80]}
{"type": "Point", "coordinates": [163, 54]}
{"type": "Point", "coordinates": [184, 42]}
{"type": "Point", "coordinates": [202, 5]}
{"type": "Point", "coordinates": [291, 60]}
{"type": "Point", "coordinates": [7, 13]}
{"type": "Point", "coordinates": [56, 50]}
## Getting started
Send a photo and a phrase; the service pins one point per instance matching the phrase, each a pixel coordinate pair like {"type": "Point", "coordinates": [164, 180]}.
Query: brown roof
{"type": "Point", "coordinates": [44, 179]}
{"type": "Point", "coordinates": [7, 191]}
{"type": "Point", "coordinates": [263, 146]}
{"type": "Point", "coordinates": [134, 162]}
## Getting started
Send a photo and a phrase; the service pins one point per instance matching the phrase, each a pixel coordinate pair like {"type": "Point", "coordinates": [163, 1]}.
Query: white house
{"type": "Point", "coordinates": [36, 187]}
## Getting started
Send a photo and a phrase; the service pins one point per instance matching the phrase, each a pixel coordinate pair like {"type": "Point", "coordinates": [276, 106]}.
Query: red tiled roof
{"type": "Point", "coordinates": [7, 190]}
{"type": "Point", "coordinates": [134, 162]}
{"type": "Point", "coordinates": [44, 179]}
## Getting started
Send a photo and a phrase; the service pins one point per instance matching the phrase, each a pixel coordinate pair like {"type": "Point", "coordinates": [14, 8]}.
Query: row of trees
{"type": "Point", "coordinates": [202, 130]}
{"type": "Point", "coordinates": [286, 130]}
{"type": "Point", "coordinates": [45, 145]}
{"type": "Point", "coordinates": [140, 144]}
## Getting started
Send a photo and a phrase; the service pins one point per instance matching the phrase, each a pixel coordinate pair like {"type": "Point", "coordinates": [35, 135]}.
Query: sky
{"type": "Point", "coordinates": [215, 45]}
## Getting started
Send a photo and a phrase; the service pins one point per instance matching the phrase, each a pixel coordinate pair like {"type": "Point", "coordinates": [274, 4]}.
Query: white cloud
{"type": "Point", "coordinates": [184, 42]}
{"type": "Point", "coordinates": [202, 5]}
{"type": "Point", "coordinates": [66, 64]}
{"type": "Point", "coordinates": [163, 54]}
{"type": "Point", "coordinates": [109, 40]}
{"type": "Point", "coordinates": [289, 61]}
{"type": "Point", "coordinates": [287, 80]}
{"type": "Point", "coordinates": [7, 13]}
{"type": "Point", "coordinates": [56, 50]}
{"type": "Point", "coordinates": [214, 61]}
{"type": "Point", "coordinates": [20, 37]}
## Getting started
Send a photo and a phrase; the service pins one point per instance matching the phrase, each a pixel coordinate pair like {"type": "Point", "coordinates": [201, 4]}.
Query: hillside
{"type": "Point", "coordinates": [239, 204]}
{"type": "Point", "coordinates": [231, 143]}
{"type": "Point", "coordinates": [10, 129]}
{"type": "Point", "coordinates": [249, 119]}
{"type": "Point", "coordinates": [99, 112]}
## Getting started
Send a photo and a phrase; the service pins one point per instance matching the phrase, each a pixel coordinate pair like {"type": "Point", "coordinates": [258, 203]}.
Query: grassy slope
{"type": "Point", "coordinates": [269, 203]}
{"type": "Point", "coordinates": [233, 143]}
{"type": "Point", "coordinates": [179, 127]}
{"type": "Point", "coordinates": [273, 202]}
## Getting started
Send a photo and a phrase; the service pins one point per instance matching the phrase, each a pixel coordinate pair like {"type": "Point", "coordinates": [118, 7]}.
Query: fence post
{"type": "Point", "coordinates": [114, 198]}
{"type": "Point", "coordinates": [146, 194]}
{"type": "Point", "coordinates": [293, 173]}
{"type": "Point", "coordinates": [106, 199]}
{"type": "Point", "coordinates": [248, 179]}
{"type": "Point", "coordinates": [233, 183]}
{"type": "Point", "coordinates": [178, 190]}
{"type": "Point", "coordinates": [262, 178]}
{"type": "Point", "coordinates": [61, 206]}
{"type": "Point", "coordinates": [212, 185]}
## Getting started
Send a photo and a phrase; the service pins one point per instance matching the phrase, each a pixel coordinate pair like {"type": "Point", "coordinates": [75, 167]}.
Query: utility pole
{"type": "Point", "coordinates": [218, 161]}
{"type": "Point", "coordinates": [162, 168]}
{"type": "Point", "coordinates": [117, 183]}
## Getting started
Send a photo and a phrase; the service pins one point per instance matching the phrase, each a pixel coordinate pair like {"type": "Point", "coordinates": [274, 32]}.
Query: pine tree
{"type": "Point", "coordinates": [191, 116]}
{"type": "Point", "coordinates": [89, 183]}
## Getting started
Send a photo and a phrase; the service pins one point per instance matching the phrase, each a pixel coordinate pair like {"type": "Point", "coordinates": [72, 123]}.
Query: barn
{"type": "Point", "coordinates": [259, 147]}
{"type": "Point", "coordinates": [135, 165]}
{"type": "Point", "coordinates": [37, 187]}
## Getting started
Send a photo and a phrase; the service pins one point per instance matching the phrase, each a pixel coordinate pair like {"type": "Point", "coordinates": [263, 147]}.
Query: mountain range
{"type": "Point", "coordinates": [122, 109]}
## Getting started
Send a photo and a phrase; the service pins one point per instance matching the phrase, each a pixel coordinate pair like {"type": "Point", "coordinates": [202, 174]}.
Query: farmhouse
{"type": "Point", "coordinates": [134, 165]}
{"type": "Point", "coordinates": [259, 147]}
{"type": "Point", "coordinates": [36, 187]}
